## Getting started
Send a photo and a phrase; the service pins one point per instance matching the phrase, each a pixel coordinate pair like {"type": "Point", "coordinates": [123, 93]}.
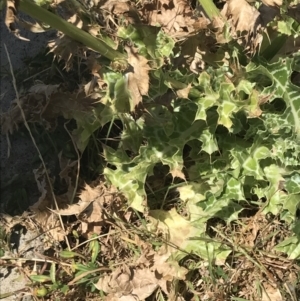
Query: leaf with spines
{"type": "Point", "coordinates": [279, 75]}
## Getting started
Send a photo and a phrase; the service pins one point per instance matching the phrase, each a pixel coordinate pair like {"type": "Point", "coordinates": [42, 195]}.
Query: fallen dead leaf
{"type": "Point", "coordinates": [64, 48]}
{"type": "Point", "coordinates": [177, 173]}
{"type": "Point", "coordinates": [93, 208]}
{"type": "Point", "coordinates": [41, 88]}
{"type": "Point", "coordinates": [44, 104]}
{"type": "Point", "coordinates": [176, 228]}
{"type": "Point", "coordinates": [277, 3]}
{"type": "Point", "coordinates": [124, 8]}
{"type": "Point", "coordinates": [33, 27]}
{"type": "Point", "coordinates": [184, 93]}
{"type": "Point", "coordinates": [11, 12]}
{"type": "Point", "coordinates": [93, 64]}
{"type": "Point", "coordinates": [11, 18]}
{"type": "Point", "coordinates": [245, 17]}
{"type": "Point", "coordinates": [127, 283]}
{"type": "Point", "coordinates": [138, 78]}
{"type": "Point", "coordinates": [46, 220]}
{"type": "Point", "coordinates": [174, 16]}
{"type": "Point", "coordinates": [8, 222]}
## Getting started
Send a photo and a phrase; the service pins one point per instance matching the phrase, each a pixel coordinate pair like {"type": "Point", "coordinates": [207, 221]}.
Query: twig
{"type": "Point", "coordinates": [34, 75]}
{"type": "Point", "coordinates": [34, 142]}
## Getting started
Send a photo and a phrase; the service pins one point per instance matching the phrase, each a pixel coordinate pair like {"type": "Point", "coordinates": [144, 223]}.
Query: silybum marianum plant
{"type": "Point", "coordinates": [236, 122]}
{"type": "Point", "coordinates": [207, 112]}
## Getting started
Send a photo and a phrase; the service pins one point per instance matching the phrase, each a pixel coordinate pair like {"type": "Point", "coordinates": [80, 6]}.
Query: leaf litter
{"type": "Point", "coordinates": [99, 208]}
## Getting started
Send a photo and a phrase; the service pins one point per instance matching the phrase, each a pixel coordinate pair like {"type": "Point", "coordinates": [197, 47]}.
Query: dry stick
{"type": "Point", "coordinates": [8, 145]}
{"type": "Point", "coordinates": [7, 258]}
{"type": "Point", "coordinates": [34, 75]}
{"type": "Point", "coordinates": [6, 295]}
{"type": "Point", "coordinates": [93, 238]}
{"type": "Point", "coordinates": [33, 141]}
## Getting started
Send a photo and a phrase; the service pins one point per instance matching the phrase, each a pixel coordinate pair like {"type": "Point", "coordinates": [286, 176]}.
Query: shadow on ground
{"type": "Point", "coordinates": [18, 189]}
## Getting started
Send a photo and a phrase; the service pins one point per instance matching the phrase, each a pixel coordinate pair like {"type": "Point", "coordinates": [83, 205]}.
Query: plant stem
{"type": "Point", "coordinates": [210, 9]}
{"type": "Point", "coordinates": [70, 30]}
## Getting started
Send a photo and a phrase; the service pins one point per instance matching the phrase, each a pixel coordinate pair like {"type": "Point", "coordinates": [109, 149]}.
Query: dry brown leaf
{"type": "Point", "coordinates": [93, 64]}
{"type": "Point", "coordinates": [116, 7]}
{"type": "Point", "coordinates": [277, 3]}
{"type": "Point", "coordinates": [8, 222]}
{"type": "Point", "coordinates": [138, 78]}
{"type": "Point", "coordinates": [90, 86]}
{"type": "Point", "coordinates": [123, 8]}
{"type": "Point", "coordinates": [67, 168]}
{"type": "Point", "coordinates": [11, 18]}
{"type": "Point", "coordinates": [150, 271]}
{"type": "Point", "coordinates": [127, 284]}
{"type": "Point", "coordinates": [37, 108]}
{"type": "Point", "coordinates": [87, 197]}
{"type": "Point", "coordinates": [244, 16]}
{"type": "Point", "coordinates": [41, 88]}
{"type": "Point", "coordinates": [174, 16]}
{"type": "Point", "coordinates": [184, 93]}
{"type": "Point", "coordinates": [35, 28]}
{"type": "Point", "coordinates": [66, 48]}
{"type": "Point", "coordinates": [269, 2]}
{"type": "Point", "coordinates": [47, 221]}
{"type": "Point", "coordinates": [169, 270]}
{"type": "Point", "coordinates": [177, 173]}
{"type": "Point", "coordinates": [92, 209]}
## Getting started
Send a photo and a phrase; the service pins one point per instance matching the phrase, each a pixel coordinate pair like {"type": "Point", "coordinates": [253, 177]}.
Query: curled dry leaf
{"type": "Point", "coordinates": [35, 28]}
{"type": "Point", "coordinates": [138, 77]}
{"type": "Point", "coordinates": [11, 18]}
{"type": "Point", "coordinates": [46, 220]}
{"type": "Point", "coordinates": [92, 209]}
{"type": "Point", "coordinates": [45, 104]}
{"type": "Point", "coordinates": [123, 8]}
{"type": "Point", "coordinates": [68, 173]}
{"type": "Point", "coordinates": [41, 88]}
{"type": "Point", "coordinates": [93, 64]}
{"type": "Point", "coordinates": [184, 93]}
{"type": "Point", "coordinates": [65, 48]}
{"type": "Point", "coordinates": [8, 222]}
{"type": "Point", "coordinates": [89, 88]}
{"type": "Point", "coordinates": [150, 271]}
{"type": "Point", "coordinates": [174, 16]}
{"type": "Point", "coordinates": [177, 173]}
{"type": "Point", "coordinates": [127, 284]}
{"type": "Point", "coordinates": [11, 15]}
{"type": "Point", "coordinates": [87, 197]}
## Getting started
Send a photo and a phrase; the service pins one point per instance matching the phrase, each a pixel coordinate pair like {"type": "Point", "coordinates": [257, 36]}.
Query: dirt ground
{"type": "Point", "coordinates": [22, 151]}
